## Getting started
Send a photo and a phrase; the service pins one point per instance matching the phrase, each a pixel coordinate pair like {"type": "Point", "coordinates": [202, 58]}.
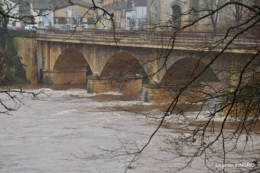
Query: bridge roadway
{"type": "Point", "coordinates": [114, 60]}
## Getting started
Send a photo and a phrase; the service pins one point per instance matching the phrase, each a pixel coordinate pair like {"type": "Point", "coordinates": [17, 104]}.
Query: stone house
{"type": "Point", "coordinates": [60, 13]}
{"type": "Point", "coordinates": [128, 14]}
{"type": "Point", "coordinates": [176, 13]}
{"type": "Point", "coordinates": [79, 13]}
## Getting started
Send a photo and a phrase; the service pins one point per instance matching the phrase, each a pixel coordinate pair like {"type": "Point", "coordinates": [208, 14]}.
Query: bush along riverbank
{"type": "Point", "coordinates": [11, 69]}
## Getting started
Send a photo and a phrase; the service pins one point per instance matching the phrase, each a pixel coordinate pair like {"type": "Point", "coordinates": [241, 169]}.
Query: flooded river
{"type": "Point", "coordinates": [68, 130]}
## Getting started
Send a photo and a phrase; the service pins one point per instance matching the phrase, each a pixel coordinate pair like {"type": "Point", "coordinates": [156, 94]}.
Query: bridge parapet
{"type": "Point", "coordinates": [151, 39]}
{"type": "Point", "coordinates": [22, 33]}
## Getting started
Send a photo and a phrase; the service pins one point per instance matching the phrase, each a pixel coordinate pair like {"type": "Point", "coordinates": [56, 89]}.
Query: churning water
{"type": "Point", "coordinates": [64, 130]}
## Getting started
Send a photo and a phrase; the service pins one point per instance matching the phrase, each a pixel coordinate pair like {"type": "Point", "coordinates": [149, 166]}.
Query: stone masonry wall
{"type": "Point", "coordinates": [163, 95]}
{"type": "Point", "coordinates": [65, 77]}
{"type": "Point", "coordinates": [126, 87]}
{"type": "Point", "coordinates": [27, 50]}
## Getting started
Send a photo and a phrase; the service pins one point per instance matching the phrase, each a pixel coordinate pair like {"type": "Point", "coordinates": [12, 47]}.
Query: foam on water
{"type": "Point", "coordinates": [66, 131]}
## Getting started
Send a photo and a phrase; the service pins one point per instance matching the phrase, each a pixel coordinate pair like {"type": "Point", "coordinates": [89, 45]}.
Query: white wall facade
{"type": "Point", "coordinates": [136, 19]}
{"type": "Point", "coordinates": [11, 9]}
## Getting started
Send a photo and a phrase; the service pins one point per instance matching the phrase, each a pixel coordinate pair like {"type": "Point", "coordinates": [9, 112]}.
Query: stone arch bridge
{"type": "Point", "coordinates": [112, 58]}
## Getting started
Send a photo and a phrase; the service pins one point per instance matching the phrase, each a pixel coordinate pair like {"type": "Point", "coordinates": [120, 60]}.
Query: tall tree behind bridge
{"type": "Point", "coordinates": [210, 6]}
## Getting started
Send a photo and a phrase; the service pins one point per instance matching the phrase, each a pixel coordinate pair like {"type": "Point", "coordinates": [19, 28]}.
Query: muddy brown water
{"type": "Point", "coordinates": [69, 130]}
{"type": "Point", "coordinates": [42, 86]}
{"type": "Point", "coordinates": [233, 126]}
{"type": "Point", "coordinates": [216, 125]}
{"type": "Point", "coordinates": [182, 107]}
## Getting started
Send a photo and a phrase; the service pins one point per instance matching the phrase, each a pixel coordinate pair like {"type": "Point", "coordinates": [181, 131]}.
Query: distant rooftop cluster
{"type": "Point", "coordinates": [127, 14]}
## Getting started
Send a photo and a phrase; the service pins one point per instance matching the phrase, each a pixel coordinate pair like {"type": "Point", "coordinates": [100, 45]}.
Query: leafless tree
{"type": "Point", "coordinates": [212, 5]}
{"type": "Point", "coordinates": [239, 13]}
{"type": "Point", "coordinates": [10, 11]}
{"type": "Point", "coordinates": [235, 102]}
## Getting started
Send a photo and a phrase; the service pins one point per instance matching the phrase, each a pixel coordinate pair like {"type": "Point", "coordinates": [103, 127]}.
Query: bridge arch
{"type": "Point", "coordinates": [121, 73]}
{"type": "Point", "coordinates": [70, 58]}
{"type": "Point", "coordinates": [123, 65]}
{"type": "Point", "coordinates": [254, 79]}
{"type": "Point", "coordinates": [186, 69]}
{"type": "Point", "coordinates": [71, 67]}
{"type": "Point", "coordinates": [251, 78]}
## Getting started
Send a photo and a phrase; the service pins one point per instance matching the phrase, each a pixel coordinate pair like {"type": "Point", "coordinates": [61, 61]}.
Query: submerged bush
{"type": "Point", "coordinates": [9, 67]}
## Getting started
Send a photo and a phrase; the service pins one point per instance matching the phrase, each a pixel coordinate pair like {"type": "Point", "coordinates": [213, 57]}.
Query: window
{"type": "Point", "coordinates": [78, 16]}
{"type": "Point", "coordinates": [153, 13]}
{"type": "Point", "coordinates": [176, 16]}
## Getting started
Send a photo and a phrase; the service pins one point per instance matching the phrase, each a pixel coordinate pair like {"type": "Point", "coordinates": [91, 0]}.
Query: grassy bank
{"type": "Point", "coordinates": [18, 80]}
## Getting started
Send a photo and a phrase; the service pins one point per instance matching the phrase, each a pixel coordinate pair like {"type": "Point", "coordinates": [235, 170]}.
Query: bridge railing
{"type": "Point", "coordinates": [63, 32]}
{"type": "Point", "coordinates": [184, 36]}
{"type": "Point", "coordinates": [21, 33]}
{"type": "Point", "coordinates": [118, 34]}
{"type": "Point", "coordinates": [166, 36]}
{"type": "Point", "coordinates": [247, 39]}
